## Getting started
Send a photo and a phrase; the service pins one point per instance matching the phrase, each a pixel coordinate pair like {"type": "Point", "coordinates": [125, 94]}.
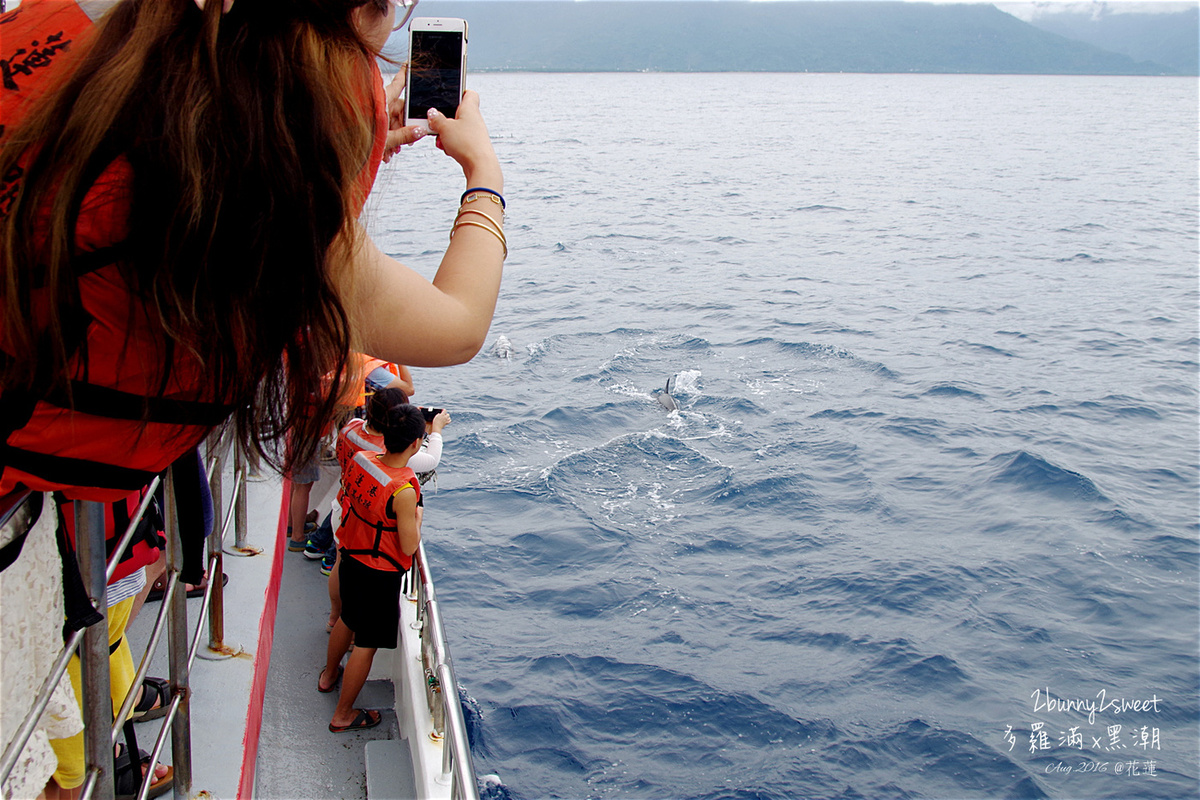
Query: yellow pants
{"type": "Point", "coordinates": [71, 765]}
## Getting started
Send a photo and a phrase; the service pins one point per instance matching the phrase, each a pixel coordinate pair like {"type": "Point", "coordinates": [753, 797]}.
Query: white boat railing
{"type": "Point", "coordinates": [441, 687]}
{"type": "Point", "coordinates": [101, 726]}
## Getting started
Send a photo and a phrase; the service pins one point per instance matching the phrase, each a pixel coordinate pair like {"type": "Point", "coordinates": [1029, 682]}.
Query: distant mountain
{"type": "Point", "coordinates": [888, 37]}
{"type": "Point", "coordinates": [1170, 39]}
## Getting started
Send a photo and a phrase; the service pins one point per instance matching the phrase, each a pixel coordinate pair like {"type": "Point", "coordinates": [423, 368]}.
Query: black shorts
{"type": "Point", "coordinates": [370, 603]}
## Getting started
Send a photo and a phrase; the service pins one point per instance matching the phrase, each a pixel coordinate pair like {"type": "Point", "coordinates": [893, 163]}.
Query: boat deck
{"type": "Point", "coordinates": [258, 723]}
{"type": "Point", "coordinates": [298, 756]}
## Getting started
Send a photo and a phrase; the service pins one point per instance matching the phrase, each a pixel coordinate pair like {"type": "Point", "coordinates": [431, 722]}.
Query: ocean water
{"type": "Point", "coordinates": [925, 522]}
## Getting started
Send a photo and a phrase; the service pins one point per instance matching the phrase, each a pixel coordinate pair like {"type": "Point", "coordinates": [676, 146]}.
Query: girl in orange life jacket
{"type": "Point", "coordinates": [355, 436]}
{"type": "Point", "coordinates": [181, 160]}
{"type": "Point", "coordinates": [379, 535]}
{"type": "Point", "coordinates": [135, 239]}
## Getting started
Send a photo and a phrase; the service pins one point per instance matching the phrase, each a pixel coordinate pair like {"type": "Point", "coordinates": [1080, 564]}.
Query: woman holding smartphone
{"type": "Point", "coordinates": [179, 243]}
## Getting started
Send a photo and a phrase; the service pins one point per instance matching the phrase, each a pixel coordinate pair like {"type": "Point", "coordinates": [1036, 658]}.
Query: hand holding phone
{"type": "Point", "coordinates": [398, 133]}
{"type": "Point", "coordinates": [466, 140]}
{"type": "Point", "coordinates": [437, 62]}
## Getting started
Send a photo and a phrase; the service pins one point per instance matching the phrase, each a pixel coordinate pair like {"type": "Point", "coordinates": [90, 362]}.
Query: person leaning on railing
{"type": "Point", "coordinates": [179, 243]}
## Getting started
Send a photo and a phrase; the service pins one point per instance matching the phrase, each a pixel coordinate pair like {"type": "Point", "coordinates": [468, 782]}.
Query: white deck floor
{"type": "Point", "coordinates": [297, 756]}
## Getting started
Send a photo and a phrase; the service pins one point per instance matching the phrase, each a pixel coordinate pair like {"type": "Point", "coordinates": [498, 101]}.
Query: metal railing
{"type": "Point", "coordinates": [441, 687]}
{"type": "Point", "coordinates": [101, 726]}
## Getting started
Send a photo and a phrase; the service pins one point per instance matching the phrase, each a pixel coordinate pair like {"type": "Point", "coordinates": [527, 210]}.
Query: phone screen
{"type": "Point", "coordinates": [435, 72]}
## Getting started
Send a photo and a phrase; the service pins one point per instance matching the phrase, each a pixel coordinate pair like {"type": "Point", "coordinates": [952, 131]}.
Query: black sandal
{"type": "Point", "coordinates": [157, 592]}
{"type": "Point", "coordinates": [156, 694]}
{"type": "Point", "coordinates": [127, 778]}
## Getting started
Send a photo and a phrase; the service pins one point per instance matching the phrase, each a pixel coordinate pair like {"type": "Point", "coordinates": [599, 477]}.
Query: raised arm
{"type": "Point", "coordinates": [404, 381]}
{"type": "Point", "coordinates": [400, 316]}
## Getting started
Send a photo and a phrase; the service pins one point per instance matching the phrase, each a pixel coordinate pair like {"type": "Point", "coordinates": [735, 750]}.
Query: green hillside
{"type": "Point", "coordinates": [1170, 39]}
{"type": "Point", "coordinates": [769, 37]}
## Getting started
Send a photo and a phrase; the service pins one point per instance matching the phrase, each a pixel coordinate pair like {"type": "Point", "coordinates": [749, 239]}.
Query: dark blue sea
{"type": "Point", "coordinates": [925, 522]}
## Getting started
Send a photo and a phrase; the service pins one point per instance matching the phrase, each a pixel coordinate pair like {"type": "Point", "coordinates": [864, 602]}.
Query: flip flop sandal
{"type": "Point", "coordinates": [363, 721]}
{"type": "Point", "coordinates": [156, 594]}
{"type": "Point", "coordinates": [126, 781]}
{"type": "Point", "coordinates": [333, 685]}
{"type": "Point", "coordinates": [156, 694]}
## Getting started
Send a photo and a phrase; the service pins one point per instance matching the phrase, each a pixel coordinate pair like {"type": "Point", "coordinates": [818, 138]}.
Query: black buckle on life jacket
{"type": "Point", "coordinates": [379, 529]}
{"type": "Point", "coordinates": [377, 554]}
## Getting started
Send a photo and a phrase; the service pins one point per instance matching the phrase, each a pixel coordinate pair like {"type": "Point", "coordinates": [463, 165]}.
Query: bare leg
{"type": "Point", "coordinates": [335, 591]}
{"type": "Point", "coordinates": [298, 510]}
{"type": "Point", "coordinates": [153, 573]}
{"type": "Point", "coordinates": [358, 666]}
{"type": "Point", "coordinates": [339, 642]}
{"type": "Point", "coordinates": [54, 792]}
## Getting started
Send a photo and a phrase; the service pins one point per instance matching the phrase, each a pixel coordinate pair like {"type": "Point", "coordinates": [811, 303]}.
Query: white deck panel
{"type": "Point", "coordinates": [221, 689]}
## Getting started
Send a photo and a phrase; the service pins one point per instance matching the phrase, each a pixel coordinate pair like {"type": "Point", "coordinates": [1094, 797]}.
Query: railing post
{"type": "Point", "coordinates": [240, 527]}
{"type": "Point", "coordinates": [216, 610]}
{"type": "Point", "coordinates": [177, 644]}
{"type": "Point", "coordinates": [96, 700]}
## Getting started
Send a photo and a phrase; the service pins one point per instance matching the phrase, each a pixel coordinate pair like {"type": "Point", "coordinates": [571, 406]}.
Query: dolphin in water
{"type": "Point", "coordinates": [665, 398]}
{"type": "Point", "coordinates": [502, 348]}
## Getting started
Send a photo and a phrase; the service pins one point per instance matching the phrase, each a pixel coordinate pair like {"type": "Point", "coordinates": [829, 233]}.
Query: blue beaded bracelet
{"type": "Point", "coordinates": [463, 199]}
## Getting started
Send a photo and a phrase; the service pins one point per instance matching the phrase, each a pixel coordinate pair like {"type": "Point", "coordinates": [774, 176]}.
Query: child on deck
{"type": "Point", "coordinates": [363, 434]}
{"type": "Point", "coordinates": [378, 537]}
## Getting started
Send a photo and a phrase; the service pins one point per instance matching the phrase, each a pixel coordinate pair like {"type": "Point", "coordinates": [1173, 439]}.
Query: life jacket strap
{"type": "Point", "coordinates": [399, 567]}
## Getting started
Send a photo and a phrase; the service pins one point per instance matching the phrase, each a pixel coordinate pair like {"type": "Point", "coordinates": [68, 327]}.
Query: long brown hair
{"type": "Point", "coordinates": [246, 133]}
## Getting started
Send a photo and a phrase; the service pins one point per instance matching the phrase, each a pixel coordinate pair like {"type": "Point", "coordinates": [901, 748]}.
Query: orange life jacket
{"type": "Point", "coordinates": [368, 530]}
{"type": "Point", "coordinates": [354, 437]}
{"type": "Point", "coordinates": [106, 433]}
{"type": "Point", "coordinates": [358, 367]}
{"type": "Point", "coordinates": [34, 38]}
{"type": "Point", "coordinates": [143, 549]}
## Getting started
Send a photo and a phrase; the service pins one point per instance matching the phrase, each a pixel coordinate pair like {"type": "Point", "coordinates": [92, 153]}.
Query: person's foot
{"type": "Point", "coordinates": [160, 771]}
{"type": "Point", "coordinates": [327, 562]}
{"type": "Point", "coordinates": [326, 688]}
{"type": "Point", "coordinates": [310, 527]}
{"type": "Point", "coordinates": [124, 783]}
{"type": "Point", "coordinates": [158, 590]}
{"type": "Point", "coordinates": [152, 698]}
{"type": "Point", "coordinates": [357, 719]}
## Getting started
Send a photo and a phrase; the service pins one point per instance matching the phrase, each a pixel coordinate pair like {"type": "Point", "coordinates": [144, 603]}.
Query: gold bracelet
{"type": "Point", "coordinates": [495, 198]}
{"type": "Point", "coordinates": [498, 234]}
{"type": "Point", "coordinates": [495, 227]}
{"type": "Point", "coordinates": [488, 217]}
{"type": "Point", "coordinates": [495, 231]}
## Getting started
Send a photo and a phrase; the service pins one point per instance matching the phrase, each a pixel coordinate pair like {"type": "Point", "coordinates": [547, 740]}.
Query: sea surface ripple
{"type": "Point", "coordinates": [935, 346]}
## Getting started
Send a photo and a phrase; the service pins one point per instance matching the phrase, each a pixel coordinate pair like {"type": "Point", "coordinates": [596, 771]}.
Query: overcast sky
{"type": "Point", "coordinates": [1141, 6]}
{"type": "Point", "coordinates": [1025, 9]}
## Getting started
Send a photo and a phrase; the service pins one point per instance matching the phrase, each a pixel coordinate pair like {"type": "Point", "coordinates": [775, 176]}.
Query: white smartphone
{"type": "Point", "coordinates": [437, 67]}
